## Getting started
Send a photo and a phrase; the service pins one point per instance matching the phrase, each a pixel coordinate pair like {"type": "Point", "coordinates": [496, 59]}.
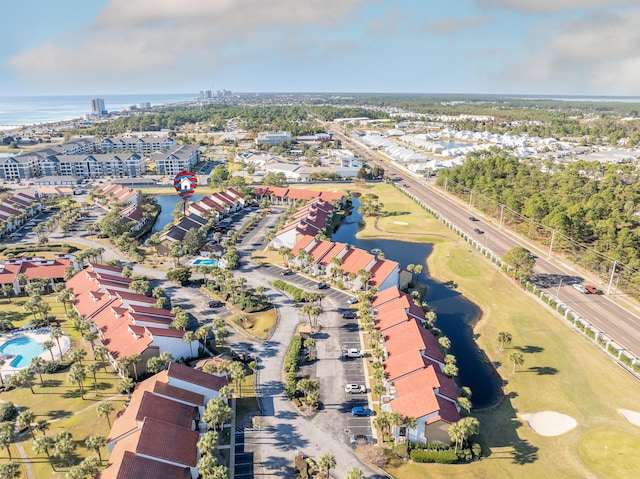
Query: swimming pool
{"type": "Point", "coordinates": [205, 262]}
{"type": "Point", "coordinates": [25, 349]}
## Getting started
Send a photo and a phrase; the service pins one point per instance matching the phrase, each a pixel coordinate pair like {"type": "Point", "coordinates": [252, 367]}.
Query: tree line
{"type": "Point", "coordinates": [590, 206]}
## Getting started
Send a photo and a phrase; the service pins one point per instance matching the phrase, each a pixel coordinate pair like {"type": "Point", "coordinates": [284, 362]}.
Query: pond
{"type": "Point", "coordinates": [456, 314]}
{"type": "Point", "coordinates": [167, 203]}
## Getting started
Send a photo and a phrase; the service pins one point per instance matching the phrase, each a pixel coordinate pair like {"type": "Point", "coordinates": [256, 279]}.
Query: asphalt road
{"type": "Point", "coordinates": [616, 321]}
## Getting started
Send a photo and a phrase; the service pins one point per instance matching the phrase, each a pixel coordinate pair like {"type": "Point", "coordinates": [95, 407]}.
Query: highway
{"type": "Point", "coordinates": [616, 322]}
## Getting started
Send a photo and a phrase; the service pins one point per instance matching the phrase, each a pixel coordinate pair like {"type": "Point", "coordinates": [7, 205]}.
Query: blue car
{"type": "Point", "coordinates": [361, 411]}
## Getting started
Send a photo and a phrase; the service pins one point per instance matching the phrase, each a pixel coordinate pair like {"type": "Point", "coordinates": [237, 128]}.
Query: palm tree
{"type": "Point", "coordinates": [56, 333]}
{"type": "Point", "coordinates": [504, 338]}
{"type": "Point", "coordinates": [461, 430]}
{"type": "Point", "coordinates": [93, 370]}
{"type": "Point", "coordinates": [77, 374]}
{"type": "Point", "coordinates": [90, 337]}
{"type": "Point", "coordinates": [64, 445]}
{"type": "Point", "coordinates": [208, 442]}
{"type": "Point", "coordinates": [105, 409]}
{"type": "Point", "coordinates": [7, 436]}
{"type": "Point", "coordinates": [354, 473]}
{"type": "Point", "coordinates": [237, 372]}
{"type": "Point", "coordinates": [126, 386]}
{"type": "Point", "coordinates": [102, 353]}
{"type": "Point", "coordinates": [517, 359]}
{"type": "Point", "coordinates": [315, 313]}
{"type": "Point", "coordinates": [10, 470]}
{"type": "Point", "coordinates": [42, 425]}
{"type": "Point", "coordinates": [49, 345]}
{"type": "Point", "coordinates": [188, 338]}
{"type": "Point", "coordinates": [327, 462]}
{"type": "Point", "coordinates": [24, 419]}
{"type": "Point", "coordinates": [45, 444]}
{"type": "Point", "coordinates": [95, 443]}
{"type": "Point", "coordinates": [2, 363]}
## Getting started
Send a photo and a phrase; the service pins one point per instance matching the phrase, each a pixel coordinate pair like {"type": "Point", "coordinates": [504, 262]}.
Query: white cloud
{"type": "Point", "coordinates": [450, 26]}
{"type": "Point", "coordinates": [596, 54]}
{"type": "Point", "coordinates": [152, 42]}
{"type": "Point", "coordinates": [552, 6]}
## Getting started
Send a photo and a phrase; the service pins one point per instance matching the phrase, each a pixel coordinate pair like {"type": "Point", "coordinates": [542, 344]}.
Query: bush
{"type": "Point", "coordinates": [296, 293]}
{"type": "Point", "coordinates": [402, 450]}
{"type": "Point", "coordinates": [7, 411]}
{"type": "Point", "coordinates": [292, 358]}
{"type": "Point", "coordinates": [441, 457]}
{"type": "Point", "coordinates": [590, 333]}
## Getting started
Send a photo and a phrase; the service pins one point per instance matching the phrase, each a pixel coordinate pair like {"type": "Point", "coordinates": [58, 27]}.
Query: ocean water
{"type": "Point", "coordinates": [30, 110]}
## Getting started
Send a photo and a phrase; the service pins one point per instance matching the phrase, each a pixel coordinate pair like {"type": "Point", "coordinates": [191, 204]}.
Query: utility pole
{"type": "Point", "coordinates": [501, 215]}
{"type": "Point", "coordinates": [470, 199]}
{"type": "Point", "coordinates": [558, 292]}
{"type": "Point", "coordinates": [613, 271]}
{"type": "Point", "coordinates": [553, 237]}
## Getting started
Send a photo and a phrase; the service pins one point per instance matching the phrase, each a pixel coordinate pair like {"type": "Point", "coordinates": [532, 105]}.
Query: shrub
{"type": "Point", "coordinates": [441, 457]}
{"type": "Point", "coordinates": [7, 411]}
{"type": "Point", "coordinates": [292, 358]}
{"type": "Point", "coordinates": [625, 359]}
{"type": "Point", "coordinates": [612, 350]}
{"type": "Point", "coordinates": [402, 450]}
{"type": "Point", "coordinates": [591, 333]}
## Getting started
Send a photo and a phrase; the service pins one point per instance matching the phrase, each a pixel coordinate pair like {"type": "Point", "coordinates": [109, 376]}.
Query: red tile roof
{"type": "Point", "coordinates": [302, 244]}
{"type": "Point", "coordinates": [168, 442]}
{"type": "Point", "coordinates": [385, 296]}
{"type": "Point", "coordinates": [383, 322]}
{"type": "Point", "coordinates": [403, 364]}
{"type": "Point", "coordinates": [193, 376]}
{"type": "Point", "coordinates": [164, 389]}
{"type": "Point", "coordinates": [381, 271]}
{"type": "Point", "coordinates": [355, 259]}
{"type": "Point", "coordinates": [411, 335]}
{"type": "Point", "coordinates": [167, 410]}
{"type": "Point", "coordinates": [332, 253]}
{"type": "Point", "coordinates": [138, 467]}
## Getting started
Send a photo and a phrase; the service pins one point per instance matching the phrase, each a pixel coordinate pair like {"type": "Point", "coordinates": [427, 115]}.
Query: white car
{"type": "Point", "coordinates": [580, 287]}
{"type": "Point", "coordinates": [352, 300]}
{"type": "Point", "coordinates": [354, 388]}
{"type": "Point", "coordinates": [352, 353]}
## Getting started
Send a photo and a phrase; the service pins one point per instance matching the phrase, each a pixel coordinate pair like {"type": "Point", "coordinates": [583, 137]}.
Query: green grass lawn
{"type": "Point", "coordinates": [58, 401]}
{"type": "Point", "coordinates": [562, 372]}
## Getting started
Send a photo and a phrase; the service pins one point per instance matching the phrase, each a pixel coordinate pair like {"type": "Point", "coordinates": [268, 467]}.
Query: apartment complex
{"type": "Point", "coordinates": [90, 158]}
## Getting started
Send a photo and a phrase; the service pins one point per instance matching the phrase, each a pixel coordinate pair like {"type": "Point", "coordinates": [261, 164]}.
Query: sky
{"type": "Point", "coordinates": [544, 47]}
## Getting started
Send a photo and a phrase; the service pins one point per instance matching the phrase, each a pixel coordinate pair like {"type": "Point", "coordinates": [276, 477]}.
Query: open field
{"type": "Point", "coordinates": [561, 372]}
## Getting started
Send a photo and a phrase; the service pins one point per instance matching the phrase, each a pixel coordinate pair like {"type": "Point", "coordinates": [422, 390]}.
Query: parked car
{"type": "Point", "coordinates": [478, 231]}
{"type": "Point", "coordinates": [580, 287]}
{"type": "Point", "coordinates": [352, 353]}
{"type": "Point", "coordinates": [473, 218]}
{"type": "Point", "coordinates": [215, 304]}
{"type": "Point", "coordinates": [349, 315]}
{"type": "Point", "coordinates": [323, 285]}
{"type": "Point", "coordinates": [286, 272]}
{"type": "Point", "coordinates": [360, 439]}
{"type": "Point", "coordinates": [355, 388]}
{"type": "Point", "coordinates": [361, 411]}
{"type": "Point", "coordinates": [592, 289]}
{"type": "Point", "coordinates": [352, 300]}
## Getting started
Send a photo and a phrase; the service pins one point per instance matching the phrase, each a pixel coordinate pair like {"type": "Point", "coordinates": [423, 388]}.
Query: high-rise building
{"type": "Point", "coordinates": [97, 107]}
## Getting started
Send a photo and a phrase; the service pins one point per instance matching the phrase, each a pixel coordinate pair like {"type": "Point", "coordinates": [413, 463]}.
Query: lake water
{"type": "Point", "coordinates": [167, 203]}
{"type": "Point", "coordinates": [456, 314]}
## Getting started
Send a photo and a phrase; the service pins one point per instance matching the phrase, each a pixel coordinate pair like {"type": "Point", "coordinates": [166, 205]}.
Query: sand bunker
{"type": "Point", "coordinates": [400, 223]}
{"type": "Point", "coordinates": [632, 416]}
{"type": "Point", "coordinates": [549, 423]}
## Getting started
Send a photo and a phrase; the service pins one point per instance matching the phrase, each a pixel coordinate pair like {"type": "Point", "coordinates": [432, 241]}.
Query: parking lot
{"type": "Point", "coordinates": [332, 369]}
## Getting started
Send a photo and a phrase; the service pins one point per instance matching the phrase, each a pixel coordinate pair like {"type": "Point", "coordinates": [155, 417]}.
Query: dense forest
{"type": "Point", "coordinates": [593, 208]}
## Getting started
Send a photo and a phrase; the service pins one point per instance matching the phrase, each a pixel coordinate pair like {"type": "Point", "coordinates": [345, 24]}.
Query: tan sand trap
{"type": "Point", "coordinates": [549, 423]}
{"type": "Point", "coordinates": [632, 416]}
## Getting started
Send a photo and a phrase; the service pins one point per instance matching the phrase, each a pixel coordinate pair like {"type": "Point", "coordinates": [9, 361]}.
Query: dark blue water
{"type": "Point", "coordinates": [167, 203]}
{"type": "Point", "coordinates": [456, 315]}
